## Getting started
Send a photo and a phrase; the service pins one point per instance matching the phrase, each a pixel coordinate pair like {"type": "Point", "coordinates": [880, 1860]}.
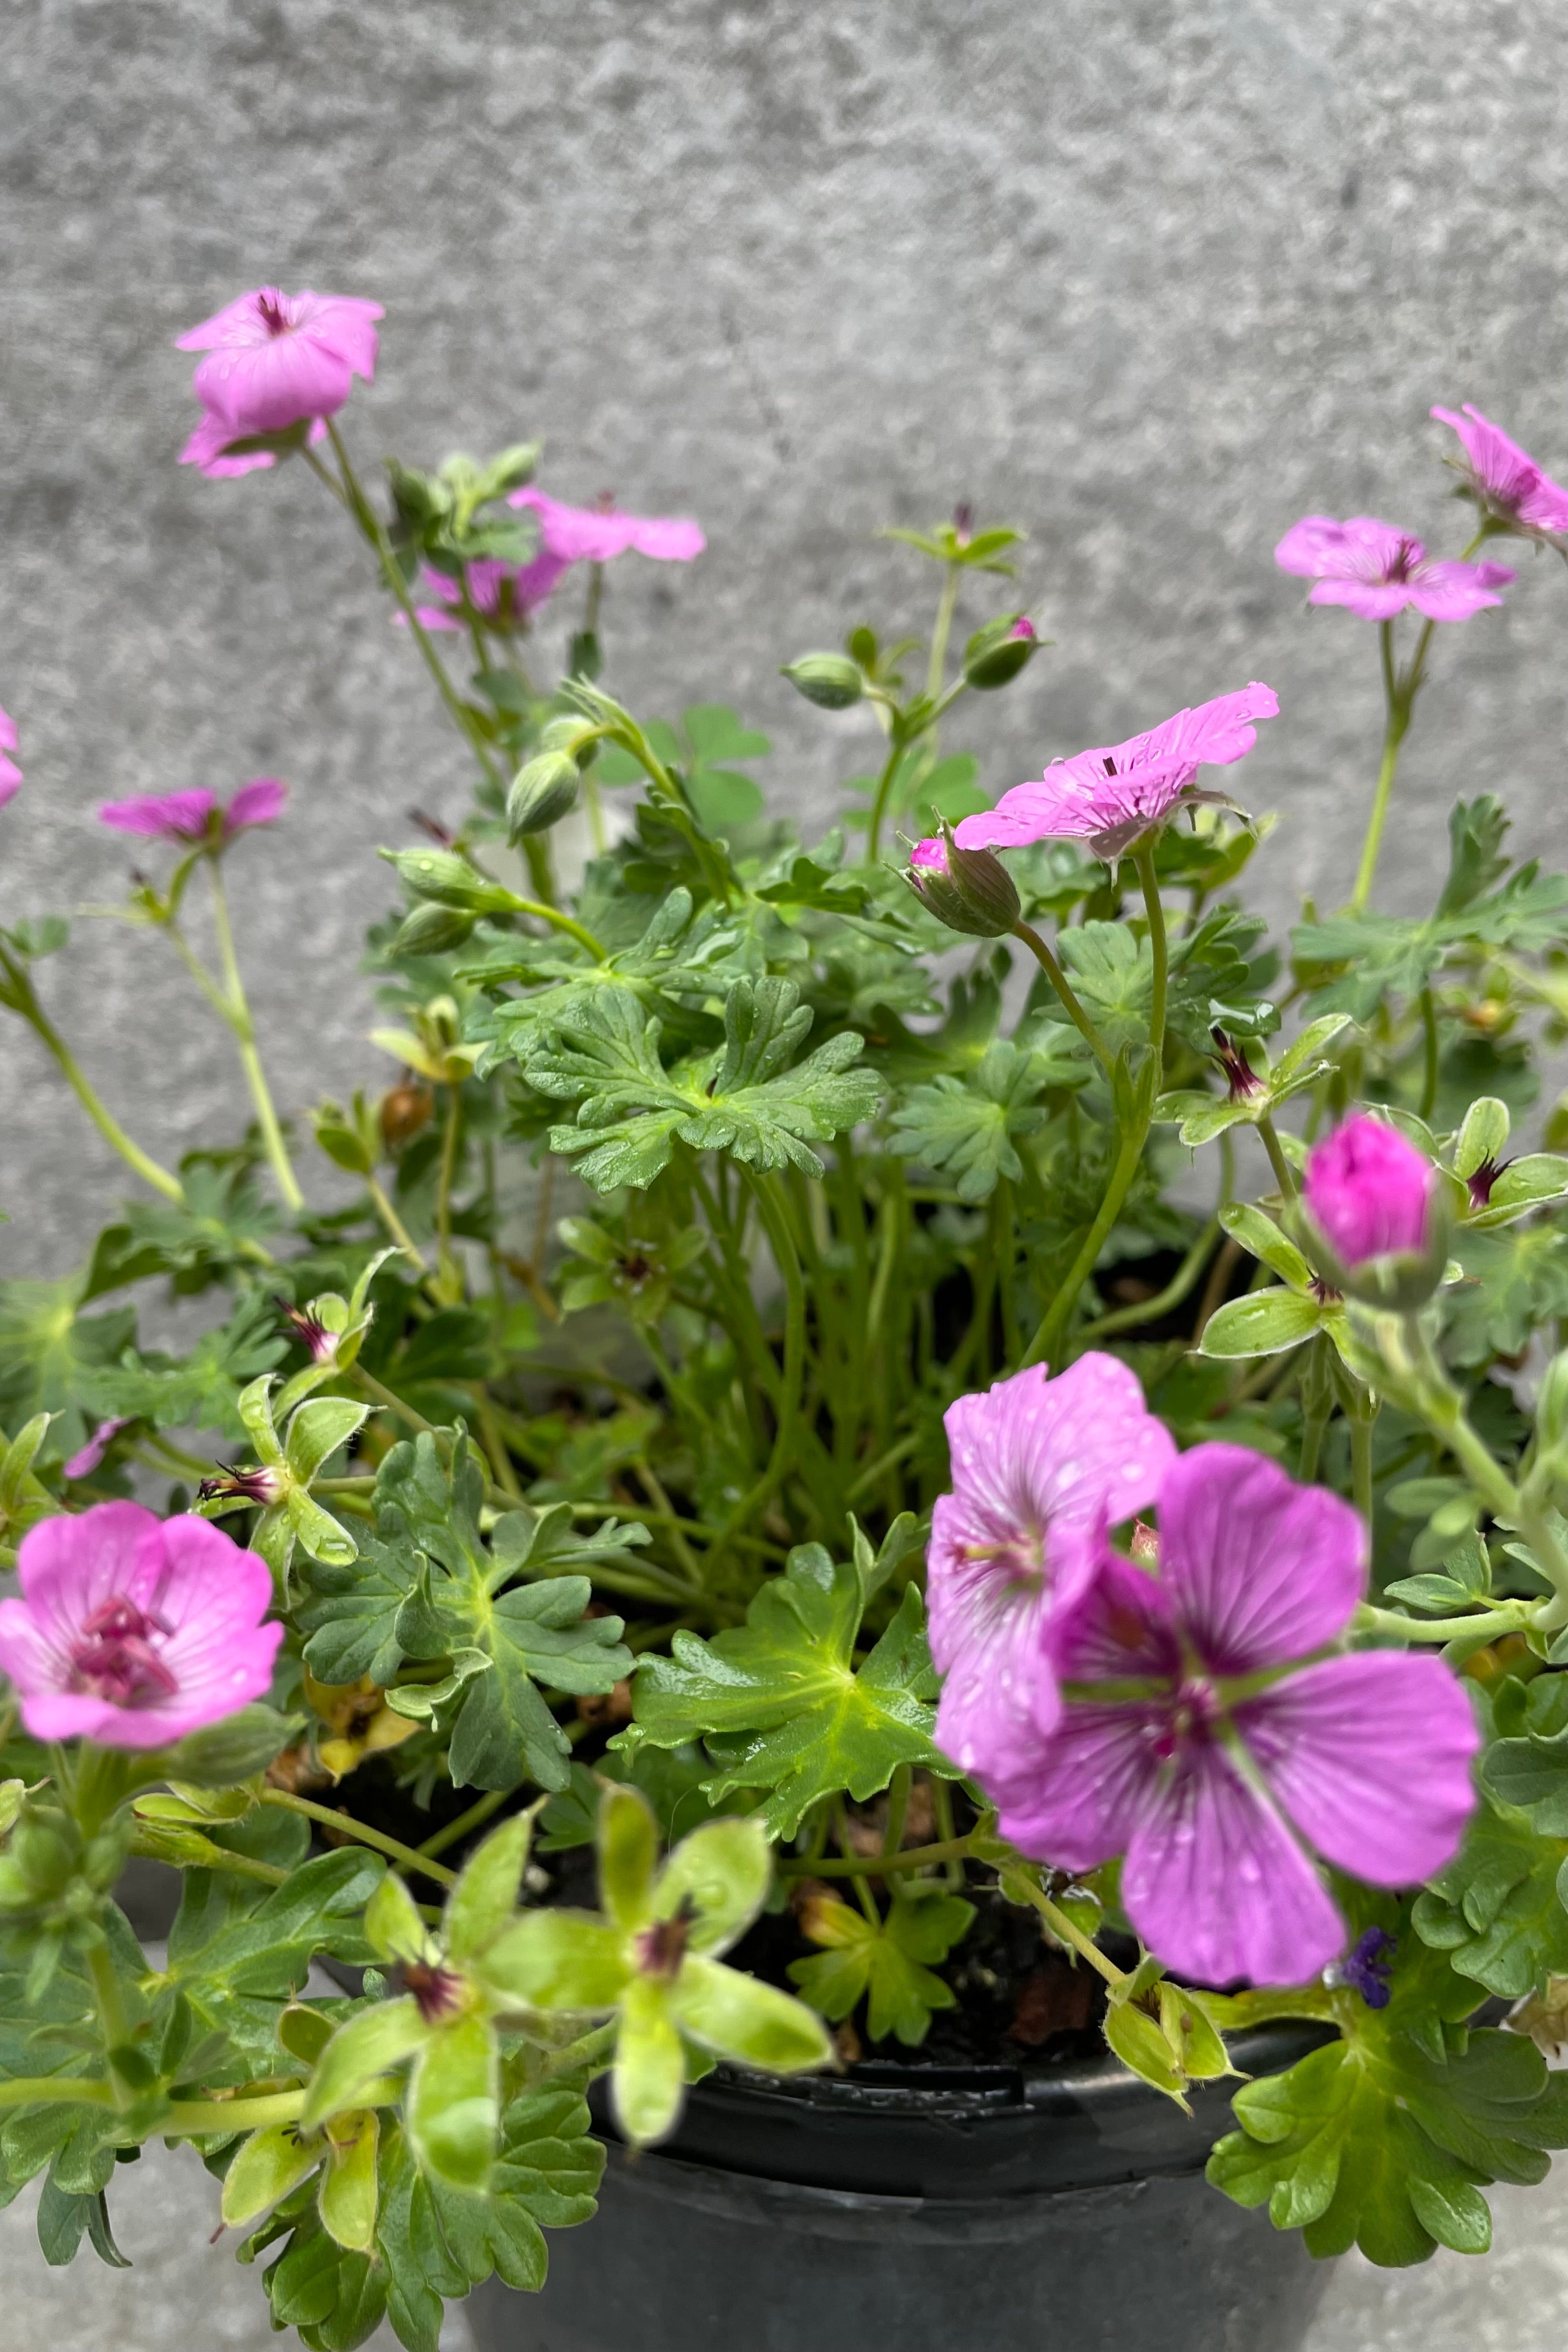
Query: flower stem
{"type": "Point", "coordinates": [111, 2015]}
{"type": "Point", "coordinates": [1053, 1322]}
{"type": "Point", "coordinates": [1151, 1310]}
{"type": "Point", "coordinates": [947, 604]}
{"type": "Point", "coordinates": [1068, 1931]}
{"type": "Point", "coordinates": [244, 1029]}
{"type": "Point", "coordinates": [346, 1826]}
{"type": "Point", "coordinates": [1490, 1623]}
{"type": "Point", "coordinates": [448, 1273]}
{"type": "Point", "coordinates": [1429, 1057]}
{"type": "Point", "coordinates": [560, 922]}
{"type": "Point", "coordinates": [1284, 1174]}
{"type": "Point", "coordinates": [787, 1259]}
{"type": "Point", "coordinates": [476, 1816]}
{"type": "Point", "coordinates": [19, 995]}
{"type": "Point", "coordinates": [1060, 981]}
{"type": "Point", "coordinates": [1143, 858]}
{"type": "Point", "coordinates": [1398, 698]}
{"type": "Point", "coordinates": [884, 788]}
{"type": "Point", "coordinates": [394, 1223]}
{"type": "Point", "coordinates": [882, 1865]}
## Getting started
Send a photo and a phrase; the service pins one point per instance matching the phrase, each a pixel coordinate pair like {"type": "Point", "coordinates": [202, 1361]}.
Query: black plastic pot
{"type": "Point", "coordinates": [1009, 2209]}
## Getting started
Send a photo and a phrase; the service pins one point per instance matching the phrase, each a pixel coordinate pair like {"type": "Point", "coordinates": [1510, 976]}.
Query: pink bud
{"type": "Point", "coordinates": [1369, 1191]}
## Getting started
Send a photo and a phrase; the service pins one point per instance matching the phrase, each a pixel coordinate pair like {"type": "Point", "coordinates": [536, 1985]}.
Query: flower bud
{"type": "Point", "coordinates": [970, 891]}
{"type": "Point", "coordinates": [542, 793]}
{"type": "Point", "coordinates": [996, 654]}
{"type": "Point", "coordinates": [830, 680]}
{"type": "Point", "coordinates": [431, 929]}
{"type": "Point", "coordinates": [447, 879]}
{"type": "Point", "coordinates": [1374, 1207]}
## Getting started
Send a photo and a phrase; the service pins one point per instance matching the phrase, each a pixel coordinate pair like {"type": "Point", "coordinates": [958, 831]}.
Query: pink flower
{"type": "Point", "coordinates": [1369, 1191]}
{"type": "Point", "coordinates": [132, 1630]}
{"type": "Point", "coordinates": [10, 773]}
{"type": "Point", "coordinates": [1040, 1468]}
{"type": "Point", "coordinates": [1113, 794]}
{"type": "Point", "coordinates": [504, 593]}
{"type": "Point", "coordinates": [1504, 477]}
{"type": "Point", "coordinates": [274, 358]}
{"type": "Point", "coordinates": [212, 436]}
{"type": "Point", "coordinates": [1215, 1790]}
{"type": "Point", "coordinates": [1376, 571]}
{"type": "Point", "coordinates": [83, 1463]}
{"type": "Point", "coordinates": [195, 815]}
{"type": "Point", "coordinates": [598, 534]}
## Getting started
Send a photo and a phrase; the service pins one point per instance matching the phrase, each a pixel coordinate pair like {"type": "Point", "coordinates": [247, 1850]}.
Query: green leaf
{"type": "Point", "coordinates": [628, 1849]}
{"type": "Point", "coordinates": [718, 1878]}
{"type": "Point", "coordinates": [1262, 1239]}
{"type": "Point", "coordinates": [267, 1949]}
{"type": "Point", "coordinates": [316, 1432]}
{"type": "Point", "coordinates": [557, 1959]}
{"type": "Point", "coordinates": [393, 1926]}
{"type": "Point", "coordinates": [482, 1902]}
{"type": "Point", "coordinates": [1516, 1281]}
{"type": "Point", "coordinates": [739, 2017]}
{"type": "Point", "coordinates": [1497, 1911]}
{"type": "Point", "coordinates": [1262, 1324]}
{"type": "Point", "coordinates": [650, 2077]}
{"type": "Point", "coordinates": [452, 2110]}
{"type": "Point", "coordinates": [965, 1128]}
{"type": "Point", "coordinates": [369, 2045]}
{"type": "Point", "coordinates": [780, 1702]}
{"type": "Point", "coordinates": [268, 2165]}
{"type": "Point", "coordinates": [346, 2200]}
{"type": "Point", "coordinates": [887, 1961]}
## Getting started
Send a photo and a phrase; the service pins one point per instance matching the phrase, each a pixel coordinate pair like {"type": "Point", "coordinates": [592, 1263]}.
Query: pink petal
{"type": "Point", "coordinates": [593, 535]}
{"type": "Point", "coordinates": [238, 319]}
{"type": "Point", "coordinates": [1369, 600]}
{"type": "Point", "coordinates": [266, 387]}
{"type": "Point", "coordinates": [207, 443]}
{"type": "Point", "coordinates": [168, 816]}
{"type": "Point", "coordinates": [1258, 1570]}
{"type": "Point", "coordinates": [83, 1463]}
{"type": "Point", "coordinates": [1218, 1888]}
{"type": "Point", "coordinates": [1311, 547]}
{"type": "Point", "coordinates": [344, 323]}
{"type": "Point", "coordinates": [1454, 591]}
{"type": "Point", "coordinates": [1213, 734]}
{"type": "Point", "coordinates": [1000, 1693]}
{"type": "Point", "coordinates": [258, 802]}
{"type": "Point", "coordinates": [1078, 1799]}
{"type": "Point", "coordinates": [69, 1566]}
{"type": "Point", "coordinates": [1370, 1756]}
{"type": "Point", "coordinates": [1121, 1626]}
{"type": "Point", "coordinates": [533, 583]}
{"type": "Point", "coordinates": [667, 539]}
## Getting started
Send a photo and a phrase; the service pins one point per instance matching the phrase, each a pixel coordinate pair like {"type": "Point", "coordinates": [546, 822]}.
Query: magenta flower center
{"type": "Point", "coordinates": [114, 1658]}
{"type": "Point", "coordinates": [1020, 1558]}
{"type": "Point", "coordinates": [1189, 1718]}
{"type": "Point", "coordinates": [273, 316]}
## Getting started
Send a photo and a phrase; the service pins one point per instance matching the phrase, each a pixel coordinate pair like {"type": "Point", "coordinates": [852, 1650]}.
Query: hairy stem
{"type": "Point", "coordinates": [244, 1029]}
{"type": "Point", "coordinates": [1063, 987]}
{"type": "Point", "coordinates": [345, 1825]}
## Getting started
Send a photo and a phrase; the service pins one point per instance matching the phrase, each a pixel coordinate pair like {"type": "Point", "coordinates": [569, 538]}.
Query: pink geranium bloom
{"type": "Point", "coordinates": [1115, 793]}
{"type": "Point", "coordinates": [10, 773]}
{"type": "Point", "coordinates": [133, 1630]}
{"type": "Point", "coordinates": [1376, 571]}
{"type": "Point", "coordinates": [1504, 477]}
{"type": "Point", "coordinates": [273, 359]}
{"type": "Point", "coordinates": [502, 594]}
{"type": "Point", "coordinates": [195, 815]}
{"type": "Point", "coordinates": [84, 1463]}
{"type": "Point", "coordinates": [209, 442]}
{"type": "Point", "coordinates": [1369, 1191]}
{"type": "Point", "coordinates": [1040, 1469]}
{"type": "Point", "coordinates": [1217, 1791]}
{"type": "Point", "coordinates": [598, 534]}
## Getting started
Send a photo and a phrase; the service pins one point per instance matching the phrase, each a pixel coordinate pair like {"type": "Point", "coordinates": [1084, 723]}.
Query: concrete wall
{"type": "Point", "coordinates": [1149, 277]}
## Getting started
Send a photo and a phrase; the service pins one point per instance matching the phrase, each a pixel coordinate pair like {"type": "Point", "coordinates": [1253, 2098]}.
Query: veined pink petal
{"type": "Point", "coordinates": [597, 535]}
{"type": "Point", "coordinates": [1076, 1799]}
{"type": "Point", "coordinates": [258, 802]}
{"type": "Point", "coordinates": [1453, 592]}
{"type": "Point", "coordinates": [1258, 1570]}
{"type": "Point", "coordinates": [1369, 1190]}
{"type": "Point", "coordinates": [1506, 475]}
{"type": "Point", "coordinates": [1217, 1886]}
{"type": "Point", "coordinates": [1370, 1755]}
{"type": "Point", "coordinates": [1121, 1627]}
{"type": "Point", "coordinates": [167, 816]}
{"type": "Point", "coordinates": [1376, 570]}
{"type": "Point", "coordinates": [67, 1567]}
{"type": "Point", "coordinates": [272, 359]}
{"type": "Point", "coordinates": [999, 1694]}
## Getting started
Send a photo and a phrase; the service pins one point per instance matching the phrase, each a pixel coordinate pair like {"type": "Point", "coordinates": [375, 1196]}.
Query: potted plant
{"type": "Point", "coordinates": [757, 1583]}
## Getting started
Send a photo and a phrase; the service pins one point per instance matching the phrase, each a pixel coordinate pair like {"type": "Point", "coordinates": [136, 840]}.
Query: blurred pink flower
{"type": "Point", "coordinates": [1113, 794]}
{"type": "Point", "coordinates": [1040, 1469]}
{"type": "Point", "coordinates": [1376, 571]}
{"type": "Point", "coordinates": [133, 1630]}
{"type": "Point", "coordinates": [1216, 1795]}
{"type": "Point", "coordinates": [195, 815]}
{"type": "Point", "coordinates": [504, 593]}
{"type": "Point", "coordinates": [1369, 1191]}
{"type": "Point", "coordinates": [1505, 479]}
{"type": "Point", "coordinates": [211, 439]}
{"type": "Point", "coordinates": [10, 773]}
{"type": "Point", "coordinates": [598, 534]}
{"type": "Point", "coordinates": [83, 1463]}
{"type": "Point", "coordinates": [273, 359]}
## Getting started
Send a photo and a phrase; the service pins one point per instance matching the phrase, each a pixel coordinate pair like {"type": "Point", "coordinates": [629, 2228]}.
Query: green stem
{"type": "Point", "coordinates": [1143, 858]}
{"type": "Point", "coordinates": [1397, 704]}
{"type": "Point", "coordinates": [1490, 1623]}
{"type": "Point", "coordinates": [240, 1865]}
{"type": "Point", "coordinates": [111, 2015]}
{"type": "Point", "coordinates": [787, 1260]}
{"type": "Point", "coordinates": [879, 805]}
{"type": "Point", "coordinates": [1053, 1324]}
{"type": "Point", "coordinates": [346, 1826]}
{"type": "Point", "coordinates": [370, 524]}
{"type": "Point", "coordinates": [53, 2090]}
{"type": "Point", "coordinates": [1060, 981]}
{"type": "Point", "coordinates": [947, 603]}
{"type": "Point", "coordinates": [1429, 1058]}
{"type": "Point", "coordinates": [1360, 1466]}
{"type": "Point", "coordinates": [1069, 1930]}
{"type": "Point", "coordinates": [475, 1818]}
{"type": "Point", "coordinates": [26, 1003]}
{"type": "Point", "coordinates": [448, 1273]}
{"type": "Point", "coordinates": [244, 1029]}
{"type": "Point", "coordinates": [395, 1224]}
{"type": "Point", "coordinates": [1150, 1310]}
{"type": "Point", "coordinates": [203, 2118]}
{"type": "Point", "coordinates": [912, 1857]}
{"type": "Point", "coordinates": [1284, 1174]}
{"type": "Point", "coordinates": [560, 922]}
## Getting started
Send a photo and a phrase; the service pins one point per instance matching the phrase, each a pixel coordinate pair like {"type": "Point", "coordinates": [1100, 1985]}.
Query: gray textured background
{"type": "Point", "coordinates": [1149, 280]}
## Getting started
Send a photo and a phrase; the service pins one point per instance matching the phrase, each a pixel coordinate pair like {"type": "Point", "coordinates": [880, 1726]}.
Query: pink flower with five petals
{"type": "Point", "coordinates": [1040, 1468]}
{"type": "Point", "coordinates": [1376, 571]}
{"type": "Point", "coordinates": [1241, 1757]}
{"type": "Point", "coordinates": [598, 534]}
{"type": "Point", "coordinates": [1504, 478]}
{"type": "Point", "coordinates": [133, 1631]}
{"type": "Point", "coordinates": [1113, 795]}
{"type": "Point", "coordinates": [274, 358]}
{"type": "Point", "coordinates": [195, 816]}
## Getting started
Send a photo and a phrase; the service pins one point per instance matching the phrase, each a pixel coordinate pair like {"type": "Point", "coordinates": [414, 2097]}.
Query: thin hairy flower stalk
{"type": "Point", "coordinates": [775, 1224]}
{"type": "Point", "coordinates": [495, 1445]}
{"type": "Point", "coordinates": [653, 1486]}
{"type": "Point", "coordinates": [884, 788]}
{"type": "Point", "coordinates": [1429, 1053]}
{"type": "Point", "coordinates": [238, 1017]}
{"type": "Point", "coordinates": [876, 1470]}
{"type": "Point", "coordinates": [382, 1201]}
{"type": "Point", "coordinates": [236, 1865]}
{"type": "Point", "coordinates": [1284, 1174]}
{"type": "Point", "coordinates": [1486, 1624]}
{"type": "Point", "coordinates": [1006, 1250]}
{"type": "Point", "coordinates": [345, 1825]}
{"type": "Point", "coordinates": [897, 1809]}
{"type": "Point", "coordinates": [1143, 858]}
{"type": "Point", "coordinates": [448, 1270]}
{"type": "Point", "coordinates": [1063, 987]}
{"type": "Point", "coordinates": [47, 2090]}
{"type": "Point", "coordinates": [1047, 1342]}
{"type": "Point", "coordinates": [1151, 1310]}
{"type": "Point", "coordinates": [476, 1815]}
{"type": "Point", "coordinates": [1317, 1406]}
{"type": "Point", "coordinates": [19, 994]}
{"type": "Point", "coordinates": [1068, 1931]}
{"type": "Point", "coordinates": [1361, 1466]}
{"type": "Point", "coordinates": [112, 2021]}
{"type": "Point", "coordinates": [383, 1396]}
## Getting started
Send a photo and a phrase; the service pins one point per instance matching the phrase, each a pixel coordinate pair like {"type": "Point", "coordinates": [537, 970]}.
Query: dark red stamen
{"type": "Point", "coordinates": [1243, 1078]}
{"type": "Point", "coordinates": [272, 315]}
{"type": "Point", "coordinates": [1481, 1179]}
{"type": "Point", "coordinates": [438, 1992]}
{"type": "Point", "coordinates": [114, 1657]}
{"type": "Point", "coordinates": [662, 1948]}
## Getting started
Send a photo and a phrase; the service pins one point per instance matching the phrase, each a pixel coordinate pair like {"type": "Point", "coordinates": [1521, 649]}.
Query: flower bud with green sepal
{"type": "Point", "coordinates": [1252, 1094]}
{"type": "Point", "coordinates": [996, 653]}
{"type": "Point", "coordinates": [333, 1330]}
{"type": "Point", "coordinates": [431, 929]}
{"type": "Point", "coordinates": [280, 1479]}
{"type": "Point", "coordinates": [970, 891]}
{"type": "Point", "coordinates": [448, 880]}
{"type": "Point", "coordinates": [542, 793]}
{"type": "Point", "coordinates": [1375, 1214]}
{"type": "Point", "coordinates": [651, 1960]}
{"type": "Point", "coordinates": [434, 1046]}
{"type": "Point", "coordinates": [832, 681]}
{"type": "Point", "coordinates": [1487, 1189]}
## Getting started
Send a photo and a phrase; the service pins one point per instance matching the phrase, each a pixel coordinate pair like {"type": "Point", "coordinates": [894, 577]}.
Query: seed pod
{"type": "Point", "coordinates": [542, 793]}
{"type": "Point", "coordinates": [431, 929]}
{"type": "Point", "coordinates": [405, 1110]}
{"type": "Point", "coordinates": [970, 891]}
{"type": "Point", "coordinates": [996, 654]}
{"type": "Point", "coordinates": [830, 680]}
